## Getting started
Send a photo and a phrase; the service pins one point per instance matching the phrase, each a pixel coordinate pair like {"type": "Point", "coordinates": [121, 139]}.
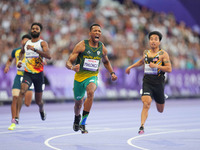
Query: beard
{"type": "Point", "coordinates": [35, 34]}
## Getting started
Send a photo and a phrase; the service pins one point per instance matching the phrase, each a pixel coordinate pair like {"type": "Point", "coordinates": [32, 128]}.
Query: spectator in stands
{"type": "Point", "coordinates": [122, 22]}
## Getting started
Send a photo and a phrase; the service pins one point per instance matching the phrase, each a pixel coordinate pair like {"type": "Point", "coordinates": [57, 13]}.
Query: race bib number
{"type": "Point", "coordinates": [31, 54]}
{"type": "Point", "coordinates": [91, 64]}
{"type": "Point", "coordinates": [149, 70]}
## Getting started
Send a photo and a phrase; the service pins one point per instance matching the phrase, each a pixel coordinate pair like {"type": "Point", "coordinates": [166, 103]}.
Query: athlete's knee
{"type": "Point", "coordinates": [90, 94]}
{"type": "Point", "coordinates": [146, 102]}
{"type": "Point", "coordinates": [78, 106]}
{"type": "Point", "coordinates": [39, 102]}
{"type": "Point", "coordinates": [27, 104]}
{"type": "Point", "coordinates": [160, 107]}
{"type": "Point", "coordinates": [22, 92]}
{"type": "Point", "coordinates": [15, 98]}
{"type": "Point", "coordinates": [146, 105]}
{"type": "Point", "coordinates": [78, 103]}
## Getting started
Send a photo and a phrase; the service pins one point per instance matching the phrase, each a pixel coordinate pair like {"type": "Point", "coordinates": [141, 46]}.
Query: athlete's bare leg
{"type": "Point", "coordinates": [14, 106]}
{"type": "Point", "coordinates": [28, 98]}
{"type": "Point", "coordinates": [160, 107]}
{"type": "Point", "coordinates": [146, 105]}
{"type": "Point", "coordinates": [77, 109]}
{"type": "Point", "coordinates": [13, 109]}
{"type": "Point", "coordinates": [39, 101]}
{"type": "Point", "coordinates": [78, 106]}
{"type": "Point", "coordinates": [24, 88]}
{"type": "Point", "coordinates": [90, 96]}
{"type": "Point", "coordinates": [91, 87]}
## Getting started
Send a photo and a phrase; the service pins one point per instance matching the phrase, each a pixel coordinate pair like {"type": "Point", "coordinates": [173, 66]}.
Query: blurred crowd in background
{"type": "Point", "coordinates": [124, 29]}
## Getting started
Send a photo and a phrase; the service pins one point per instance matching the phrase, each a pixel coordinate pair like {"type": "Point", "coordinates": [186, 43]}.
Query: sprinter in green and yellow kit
{"type": "Point", "coordinates": [87, 54]}
{"type": "Point", "coordinates": [17, 82]}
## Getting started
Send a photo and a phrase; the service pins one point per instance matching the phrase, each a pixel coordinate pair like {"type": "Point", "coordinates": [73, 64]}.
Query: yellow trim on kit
{"type": "Point", "coordinates": [158, 62]}
{"type": "Point", "coordinates": [92, 48]}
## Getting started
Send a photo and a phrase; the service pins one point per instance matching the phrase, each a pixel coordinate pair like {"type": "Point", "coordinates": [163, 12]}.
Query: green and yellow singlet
{"type": "Point", "coordinates": [89, 62]}
{"type": "Point", "coordinates": [15, 54]}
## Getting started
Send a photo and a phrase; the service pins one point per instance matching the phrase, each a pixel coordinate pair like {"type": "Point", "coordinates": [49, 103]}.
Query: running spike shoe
{"type": "Point", "coordinates": [141, 130]}
{"type": "Point", "coordinates": [76, 126]}
{"type": "Point", "coordinates": [12, 126]}
{"type": "Point", "coordinates": [83, 130]}
{"type": "Point", "coordinates": [43, 115]}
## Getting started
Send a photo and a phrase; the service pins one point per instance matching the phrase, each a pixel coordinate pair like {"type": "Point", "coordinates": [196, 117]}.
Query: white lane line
{"type": "Point", "coordinates": [36, 128]}
{"type": "Point", "coordinates": [54, 137]}
{"type": "Point", "coordinates": [129, 141]}
{"type": "Point", "coordinates": [25, 129]}
{"type": "Point", "coordinates": [62, 135]}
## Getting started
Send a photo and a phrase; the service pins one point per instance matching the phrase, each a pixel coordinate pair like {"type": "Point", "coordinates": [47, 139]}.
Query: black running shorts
{"type": "Point", "coordinates": [37, 80]}
{"type": "Point", "coordinates": [156, 91]}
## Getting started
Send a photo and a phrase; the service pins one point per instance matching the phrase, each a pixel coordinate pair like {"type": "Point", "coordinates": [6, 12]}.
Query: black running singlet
{"type": "Point", "coordinates": [153, 75]}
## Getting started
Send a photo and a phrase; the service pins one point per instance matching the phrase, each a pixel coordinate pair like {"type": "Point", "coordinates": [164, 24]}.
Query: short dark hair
{"type": "Point", "coordinates": [156, 33]}
{"type": "Point", "coordinates": [37, 23]}
{"type": "Point", "coordinates": [95, 24]}
{"type": "Point", "coordinates": [28, 36]}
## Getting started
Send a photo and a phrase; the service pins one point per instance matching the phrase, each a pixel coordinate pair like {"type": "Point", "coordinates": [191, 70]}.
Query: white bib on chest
{"type": "Point", "coordinates": [149, 70]}
{"type": "Point", "coordinates": [91, 64]}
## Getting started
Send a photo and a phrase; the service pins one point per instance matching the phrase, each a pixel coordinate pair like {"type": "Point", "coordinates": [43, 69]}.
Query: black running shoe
{"type": "Point", "coordinates": [83, 130]}
{"type": "Point", "coordinates": [43, 115]}
{"type": "Point", "coordinates": [76, 126]}
{"type": "Point", "coordinates": [16, 120]}
{"type": "Point", "coordinates": [141, 130]}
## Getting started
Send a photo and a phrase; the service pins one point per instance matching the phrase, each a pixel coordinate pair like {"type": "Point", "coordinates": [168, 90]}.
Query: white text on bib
{"type": "Point", "coordinates": [31, 54]}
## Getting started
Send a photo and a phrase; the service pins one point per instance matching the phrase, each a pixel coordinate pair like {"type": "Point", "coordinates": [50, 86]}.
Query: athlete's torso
{"type": "Point", "coordinates": [33, 61]}
{"type": "Point", "coordinates": [15, 54]}
{"type": "Point", "coordinates": [153, 75]}
{"type": "Point", "coordinates": [89, 62]}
